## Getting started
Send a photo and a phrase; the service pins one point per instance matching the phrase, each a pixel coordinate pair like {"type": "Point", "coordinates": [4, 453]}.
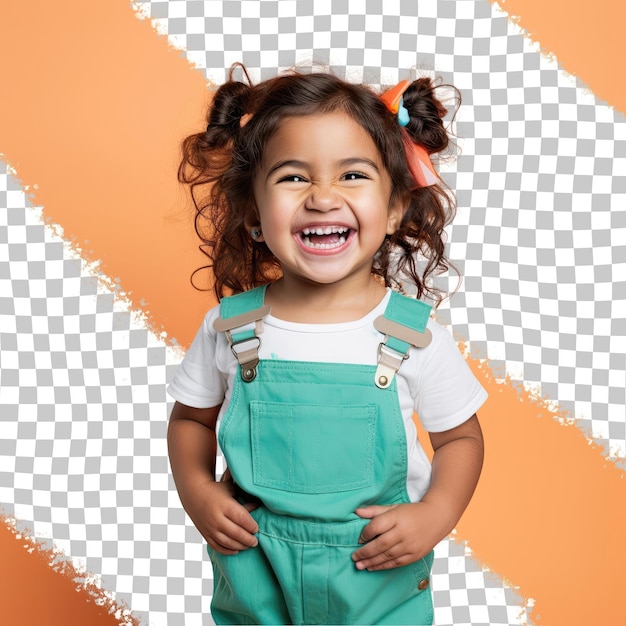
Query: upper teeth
{"type": "Point", "coordinates": [325, 231]}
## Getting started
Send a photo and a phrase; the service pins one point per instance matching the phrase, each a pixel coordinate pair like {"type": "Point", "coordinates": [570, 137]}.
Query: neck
{"type": "Point", "coordinates": [295, 301]}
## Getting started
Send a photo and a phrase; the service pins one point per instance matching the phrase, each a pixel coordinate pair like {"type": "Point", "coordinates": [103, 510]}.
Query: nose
{"type": "Point", "coordinates": [322, 197]}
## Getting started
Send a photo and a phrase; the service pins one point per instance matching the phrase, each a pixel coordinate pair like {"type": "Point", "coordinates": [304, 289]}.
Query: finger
{"type": "Point", "coordinates": [379, 525]}
{"type": "Point", "coordinates": [386, 545]}
{"type": "Point", "coordinates": [228, 543]}
{"type": "Point", "coordinates": [239, 514]}
{"type": "Point", "coordinates": [238, 538]}
{"type": "Point", "coordinates": [368, 512]}
{"type": "Point", "coordinates": [233, 537]}
{"type": "Point", "coordinates": [379, 564]}
{"type": "Point", "coordinates": [377, 561]}
{"type": "Point", "coordinates": [221, 549]}
{"type": "Point", "coordinates": [234, 529]}
{"type": "Point", "coordinates": [396, 555]}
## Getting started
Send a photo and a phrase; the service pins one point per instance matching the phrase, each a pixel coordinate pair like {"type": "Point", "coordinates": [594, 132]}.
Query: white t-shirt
{"type": "Point", "coordinates": [434, 381]}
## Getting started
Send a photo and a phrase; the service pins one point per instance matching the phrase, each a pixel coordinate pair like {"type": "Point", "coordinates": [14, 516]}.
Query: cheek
{"type": "Point", "coordinates": [276, 207]}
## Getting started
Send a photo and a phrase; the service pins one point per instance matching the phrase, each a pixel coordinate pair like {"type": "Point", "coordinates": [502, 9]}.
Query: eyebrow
{"type": "Point", "coordinates": [343, 163]}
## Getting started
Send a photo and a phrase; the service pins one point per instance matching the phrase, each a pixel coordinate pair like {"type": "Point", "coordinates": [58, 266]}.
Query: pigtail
{"type": "Point", "coordinates": [207, 157]}
{"type": "Point", "coordinates": [229, 106]}
{"type": "Point", "coordinates": [206, 154]}
{"type": "Point", "coordinates": [426, 115]}
{"type": "Point", "coordinates": [416, 252]}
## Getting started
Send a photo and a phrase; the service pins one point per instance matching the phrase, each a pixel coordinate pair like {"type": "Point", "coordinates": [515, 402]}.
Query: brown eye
{"type": "Point", "coordinates": [354, 176]}
{"type": "Point", "coordinates": [293, 178]}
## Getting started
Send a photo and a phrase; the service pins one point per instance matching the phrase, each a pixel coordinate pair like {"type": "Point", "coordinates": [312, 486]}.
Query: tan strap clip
{"type": "Point", "coordinates": [404, 333]}
{"type": "Point", "coordinates": [225, 325]}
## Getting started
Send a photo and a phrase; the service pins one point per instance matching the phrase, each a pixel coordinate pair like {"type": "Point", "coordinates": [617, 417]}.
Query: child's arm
{"type": "Point", "coordinates": [226, 525]}
{"type": "Point", "coordinates": [402, 534]}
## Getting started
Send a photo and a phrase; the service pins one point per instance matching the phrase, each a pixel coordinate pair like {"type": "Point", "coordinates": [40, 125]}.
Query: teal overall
{"type": "Point", "coordinates": [313, 442]}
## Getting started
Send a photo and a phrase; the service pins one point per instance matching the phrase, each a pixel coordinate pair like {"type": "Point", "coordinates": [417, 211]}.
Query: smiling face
{"type": "Point", "coordinates": [323, 200]}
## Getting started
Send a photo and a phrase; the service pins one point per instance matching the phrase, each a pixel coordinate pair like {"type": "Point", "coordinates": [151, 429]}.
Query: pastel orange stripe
{"type": "Point", "coordinates": [587, 38]}
{"type": "Point", "coordinates": [549, 513]}
{"type": "Point", "coordinates": [33, 591]}
{"type": "Point", "coordinates": [98, 107]}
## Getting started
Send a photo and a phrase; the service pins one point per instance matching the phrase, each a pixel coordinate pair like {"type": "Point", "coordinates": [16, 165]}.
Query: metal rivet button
{"type": "Point", "coordinates": [422, 584]}
{"type": "Point", "coordinates": [383, 380]}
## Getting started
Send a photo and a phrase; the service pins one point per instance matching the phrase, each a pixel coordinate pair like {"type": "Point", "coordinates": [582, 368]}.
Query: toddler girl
{"type": "Point", "coordinates": [314, 198]}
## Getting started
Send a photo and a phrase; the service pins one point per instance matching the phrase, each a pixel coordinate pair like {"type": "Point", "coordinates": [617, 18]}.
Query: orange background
{"type": "Point", "coordinates": [97, 108]}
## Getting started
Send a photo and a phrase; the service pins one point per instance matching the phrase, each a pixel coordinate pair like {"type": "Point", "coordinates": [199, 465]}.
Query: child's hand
{"type": "Point", "coordinates": [404, 533]}
{"type": "Point", "coordinates": [397, 535]}
{"type": "Point", "coordinates": [226, 525]}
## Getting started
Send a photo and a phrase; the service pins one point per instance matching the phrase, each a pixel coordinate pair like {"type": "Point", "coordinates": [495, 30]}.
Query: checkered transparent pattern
{"type": "Point", "coordinates": [539, 240]}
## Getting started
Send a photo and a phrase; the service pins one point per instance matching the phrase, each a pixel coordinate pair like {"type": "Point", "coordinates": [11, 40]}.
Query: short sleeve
{"type": "Point", "coordinates": [447, 393]}
{"type": "Point", "coordinates": [198, 382]}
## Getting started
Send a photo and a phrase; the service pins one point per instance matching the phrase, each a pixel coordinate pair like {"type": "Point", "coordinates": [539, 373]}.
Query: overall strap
{"type": "Point", "coordinates": [404, 326]}
{"type": "Point", "coordinates": [242, 321]}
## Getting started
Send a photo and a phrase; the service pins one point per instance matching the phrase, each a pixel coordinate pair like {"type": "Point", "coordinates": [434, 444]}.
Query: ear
{"type": "Point", "coordinates": [252, 224]}
{"type": "Point", "coordinates": [395, 215]}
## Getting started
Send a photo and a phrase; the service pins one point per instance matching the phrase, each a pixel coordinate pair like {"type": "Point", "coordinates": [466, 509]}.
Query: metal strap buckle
{"type": "Point", "coordinates": [248, 357]}
{"type": "Point", "coordinates": [389, 359]}
{"type": "Point", "coordinates": [244, 344]}
{"type": "Point", "coordinates": [389, 362]}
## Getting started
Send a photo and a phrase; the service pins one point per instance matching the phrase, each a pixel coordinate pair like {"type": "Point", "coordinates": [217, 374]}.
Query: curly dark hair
{"type": "Point", "coordinates": [220, 165]}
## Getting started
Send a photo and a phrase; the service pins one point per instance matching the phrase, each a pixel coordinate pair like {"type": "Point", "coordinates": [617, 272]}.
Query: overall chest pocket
{"type": "Point", "coordinates": [309, 448]}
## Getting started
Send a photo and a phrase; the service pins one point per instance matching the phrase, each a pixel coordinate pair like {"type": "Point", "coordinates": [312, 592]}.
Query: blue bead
{"type": "Point", "coordinates": [403, 114]}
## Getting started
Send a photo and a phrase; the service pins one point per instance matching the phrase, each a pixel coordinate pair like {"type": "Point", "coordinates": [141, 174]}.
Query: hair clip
{"type": "Point", "coordinates": [403, 114]}
{"type": "Point", "coordinates": [418, 158]}
{"type": "Point", "coordinates": [392, 98]}
{"type": "Point", "coordinates": [394, 102]}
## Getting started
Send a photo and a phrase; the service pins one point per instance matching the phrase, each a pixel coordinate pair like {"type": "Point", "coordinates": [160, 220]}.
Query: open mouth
{"type": "Point", "coordinates": [325, 238]}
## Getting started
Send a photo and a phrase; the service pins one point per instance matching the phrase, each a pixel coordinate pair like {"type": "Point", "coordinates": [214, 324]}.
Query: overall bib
{"type": "Point", "coordinates": [313, 442]}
